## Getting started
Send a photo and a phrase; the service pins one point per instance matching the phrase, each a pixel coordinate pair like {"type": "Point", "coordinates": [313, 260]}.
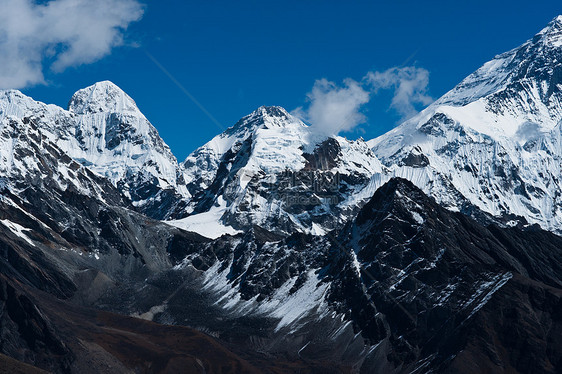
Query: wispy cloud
{"type": "Point", "coordinates": [333, 109]}
{"type": "Point", "coordinates": [57, 35]}
{"type": "Point", "coordinates": [409, 85]}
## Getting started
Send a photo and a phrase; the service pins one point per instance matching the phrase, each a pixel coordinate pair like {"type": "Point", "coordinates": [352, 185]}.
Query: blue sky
{"type": "Point", "coordinates": [235, 56]}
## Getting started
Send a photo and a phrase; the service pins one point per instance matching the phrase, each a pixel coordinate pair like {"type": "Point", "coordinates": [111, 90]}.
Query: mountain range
{"type": "Point", "coordinates": [432, 248]}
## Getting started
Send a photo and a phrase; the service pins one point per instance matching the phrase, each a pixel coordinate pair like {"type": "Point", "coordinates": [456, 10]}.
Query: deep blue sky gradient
{"type": "Point", "coordinates": [234, 56]}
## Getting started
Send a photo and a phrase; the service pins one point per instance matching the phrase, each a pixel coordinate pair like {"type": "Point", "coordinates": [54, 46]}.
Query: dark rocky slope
{"type": "Point", "coordinates": [435, 291]}
{"type": "Point", "coordinates": [64, 249]}
{"type": "Point", "coordinates": [426, 288]}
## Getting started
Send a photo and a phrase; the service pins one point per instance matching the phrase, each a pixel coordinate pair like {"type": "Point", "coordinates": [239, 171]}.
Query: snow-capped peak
{"type": "Point", "coordinates": [102, 97]}
{"type": "Point", "coordinates": [268, 170]}
{"type": "Point", "coordinates": [116, 140]}
{"type": "Point", "coordinates": [105, 131]}
{"type": "Point", "coordinates": [537, 59]}
{"type": "Point", "coordinates": [268, 117]}
{"type": "Point", "coordinates": [269, 122]}
{"type": "Point", "coordinates": [493, 138]}
{"type": "Point", "coordinates": [552, 33]}
{"type": "Point", "coordinates": [272, 115]}
{"type": "Point", "coordinates": [274, 138]}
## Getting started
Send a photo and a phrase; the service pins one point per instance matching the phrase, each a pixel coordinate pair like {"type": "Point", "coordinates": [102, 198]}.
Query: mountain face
{"type": "Point", "coordinates": [71, 246]}
{"type": "Point", "coordinates": [434, 290]}
{"type": "Point", "coordinates": [267, 170]}
{"type": "Point", "coordinates": [494, 139]}
{"type": "Point", "coordinates": [118, 142]}
{"type": "Point", "coordinates": [104, 131]}
{"type": "Point", "coordinates": [493, 142]}
{"type": "Point", "coordinates": [433, 248]}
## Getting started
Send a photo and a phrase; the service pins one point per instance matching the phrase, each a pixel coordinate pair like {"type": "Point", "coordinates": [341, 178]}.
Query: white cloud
{"type": "Point", "coordinates": [58, 34]}
{"type": "Point", "coordinates": [409, 84]}
{"type": "Point", "coordinates": [333, 109]}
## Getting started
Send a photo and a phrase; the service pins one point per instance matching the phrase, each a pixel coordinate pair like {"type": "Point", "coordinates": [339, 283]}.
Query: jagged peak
{"type": "Point", "coordinates": [265, 117]}
{"type": "Point", "coordinates": [395, 193]}
{"type": "Point", "coordinates": [266, 111]}
{"type": "Point", "coordinates": [272, 111]}
{"type": "Point", "coordinates": [557, 21]}
{"type": "Point", "coordinates": [102, 97]}
{"type": "Point", "coordinates": [532, 58]}
{"type": "Point", "coordinates": [553, 27]}
{"type": "Point", "coordinates": [15, 103]}
{"type": "Point", "coordinates": [11, 92]}
{"type": "Point", "coordinates": [13, 95]}
{"type": "Point", "coordinates": [550, 37]}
